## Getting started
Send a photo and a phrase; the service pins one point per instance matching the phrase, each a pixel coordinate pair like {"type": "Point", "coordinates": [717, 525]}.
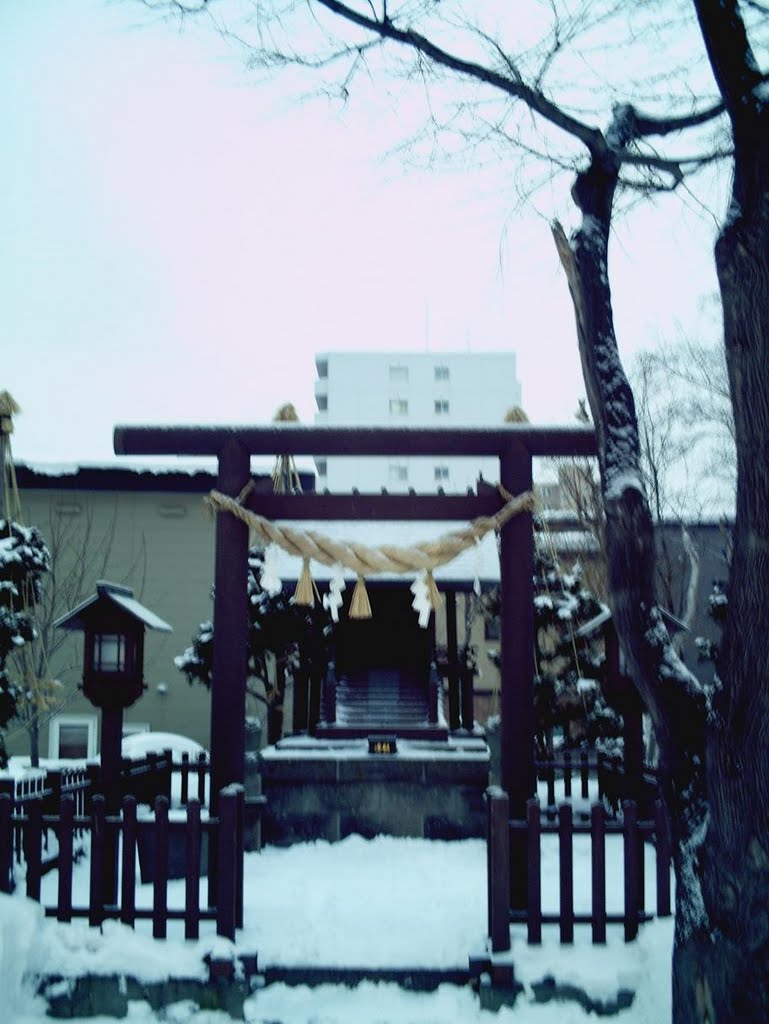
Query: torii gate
{"type": "Point", "coordinates": [514, 444]}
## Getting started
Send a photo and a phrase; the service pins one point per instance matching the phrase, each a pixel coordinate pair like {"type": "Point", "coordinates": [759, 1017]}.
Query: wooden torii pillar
{"type": "Point", "coordinates": [515, 445]}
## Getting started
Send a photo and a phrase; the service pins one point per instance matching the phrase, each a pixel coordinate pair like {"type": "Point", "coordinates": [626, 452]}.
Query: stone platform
{"type": "Point", "coordinates": [329, 789]}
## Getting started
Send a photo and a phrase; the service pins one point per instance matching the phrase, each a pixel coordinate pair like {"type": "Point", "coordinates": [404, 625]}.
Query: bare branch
{"type": "Point", "coordinates": [592, 138]}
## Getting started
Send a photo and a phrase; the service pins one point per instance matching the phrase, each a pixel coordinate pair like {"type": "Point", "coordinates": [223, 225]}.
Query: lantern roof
{"type": "Point", "coordinates": [114, 595]}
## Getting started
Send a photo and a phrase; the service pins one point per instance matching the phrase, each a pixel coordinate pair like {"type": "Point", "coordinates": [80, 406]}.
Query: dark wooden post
{"type": "Point", "coordinates": [566, 871]}
{"type": "Point", "coordinates": [65, 832]}
{"type": "Point", "coordinates": [33, 837]}
{"type": "Point", "coordinates": [598, 860]}
{"type": "Point", "coordinates": [534, 854]}
{"type": "Point", "coordinates": [128, 874]}
{"type": "Point", "coordinates": [111, 786]}
{"type": "Point", "coordinates": [302, 692]}
{"type": "Point", "coordinates": [96, 893]}
{"type": "Point", "coordinates": [498, 868]}
{"type": "Point", "coordinates": [227, 883]}
{"type": "Point", "coordinates": [228, 683]}
{"type": "Point", "coordinates": [452, 658]}
{"type": "Point", "coordinates": [517, 774]}
{"type": "Point", "coordinates": [160, 881]}
{"type": "Point", "coordinates": [192, 878]}
{"type": "Point", "coordinates": [630, 843]}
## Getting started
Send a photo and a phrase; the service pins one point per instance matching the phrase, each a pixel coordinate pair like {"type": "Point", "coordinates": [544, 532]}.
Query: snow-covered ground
{"type": "Point", "coordinates": [362, 903]}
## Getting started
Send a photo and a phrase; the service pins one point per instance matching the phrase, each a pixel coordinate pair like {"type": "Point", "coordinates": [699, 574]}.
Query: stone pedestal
{"type": "Point", "coordinates": [328, 789]}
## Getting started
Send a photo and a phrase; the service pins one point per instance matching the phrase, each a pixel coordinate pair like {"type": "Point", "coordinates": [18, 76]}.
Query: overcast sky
{"type": "Point", "coordinates": [178, 241]}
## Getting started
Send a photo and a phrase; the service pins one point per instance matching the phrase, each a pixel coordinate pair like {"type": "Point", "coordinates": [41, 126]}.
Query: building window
{"type": "Point", "coordinates": [322, 467]}
{"type": "Point", "coordinates": [399, 473]}
{"type": "Point", "coordinates": [72, 737]}
{"type": "Point", "coordinates": [322, 367]}
{"type": "Point", "coordinates": [441, 406]}
{"type": "Point", "coordinates": [109, 652]}
{"type": "Point", "coordinates": [441, 474]}
{"type": "Point", "coordinates": [441, 373]}
{"type": "Point", "coordinates": [322, 401]}
{"type": "Point", "coordinates": [399, 407]}
{"type": "Point", "coordinates": [399, 374]}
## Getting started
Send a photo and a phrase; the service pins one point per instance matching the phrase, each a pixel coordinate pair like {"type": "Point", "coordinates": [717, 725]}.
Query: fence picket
{"type": "Point", "coordinates": [566, 871]}
{"type": "Point", "coordinates": [241, 808]}
{"type": "Point", "coordinates": [550, 784]}
{"type": "Point", "coordinates": [6, 842]}
{"type": "Point", "coordinates": [498, 867]}
{"type": "Point", "coordinates": [192, 878]}
{"type": "Point", "coordinates": [65, 831]}
{"type": "Point", "coordinates": [202, 772]}
{"type": "Point", "coordinates": [630, 837]}
{"type": "Point", "coordinates": [534, 857]}
{"type": "Point", "coordinates": [598, 865]}
{"type": "Point", "coordinates": [226, 860]}
{"type": "Point", "coordinates": [33, 836]}
{"type": "Point", "coordinates": [567, 775]}
{"type": "Point", "coordinates": [160, 882]}
{"type": "Point", "coordinates": [663, 859]}
{"type": "Point", "coordinates": [185, 779]}
{"type": "Point", "coordinates": [128, 865]}
{"type": "Point", "coordinates": [96, 895]}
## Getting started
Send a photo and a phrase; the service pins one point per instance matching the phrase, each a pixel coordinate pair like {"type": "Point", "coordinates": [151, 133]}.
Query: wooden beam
{"type": "Point", "coordinates": [394, 507]}
{"type": "Point", "coordinates": [294, 439]}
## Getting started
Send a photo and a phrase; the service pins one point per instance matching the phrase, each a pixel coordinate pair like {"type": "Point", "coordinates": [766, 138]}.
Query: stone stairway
{"type": "Point", "coordinates": [385, 700]}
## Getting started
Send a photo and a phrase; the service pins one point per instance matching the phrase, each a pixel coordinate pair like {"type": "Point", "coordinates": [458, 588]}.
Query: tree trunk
{"type": "Point", "coordinates": [722, 972]}
{"type": "Point", "coordinates": [676, 701]}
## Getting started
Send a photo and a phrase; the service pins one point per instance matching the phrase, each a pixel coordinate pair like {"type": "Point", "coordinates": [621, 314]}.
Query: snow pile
{"type": "Point", "coordinates": [21, 924]}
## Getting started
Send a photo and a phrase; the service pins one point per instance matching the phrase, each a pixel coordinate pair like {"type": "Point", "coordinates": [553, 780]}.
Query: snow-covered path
{"type": "Point", "coordinates": [381, 902]}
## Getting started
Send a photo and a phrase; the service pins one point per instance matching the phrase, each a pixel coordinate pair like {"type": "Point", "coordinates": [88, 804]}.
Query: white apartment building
{"type": "Point", "coordinates": [412, 389]}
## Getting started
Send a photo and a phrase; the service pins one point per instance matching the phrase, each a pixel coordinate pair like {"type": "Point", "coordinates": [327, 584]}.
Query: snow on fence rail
{"type": "Point", "coordinates": [516, 846]}
{"type": "Point", "coordinates": [114, 841]}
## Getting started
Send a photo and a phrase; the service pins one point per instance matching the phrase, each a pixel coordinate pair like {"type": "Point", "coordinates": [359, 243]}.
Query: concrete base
{"type": "Point", "coordinates": [329, 789]}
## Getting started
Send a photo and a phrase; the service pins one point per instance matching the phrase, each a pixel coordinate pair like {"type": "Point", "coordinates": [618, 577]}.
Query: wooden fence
{"type": "Point", "coordinates": [514, 845]}
{"type": "Point", "coordinates": [588, 775]}
{"type": "Point", "coordinates": [114, 840]}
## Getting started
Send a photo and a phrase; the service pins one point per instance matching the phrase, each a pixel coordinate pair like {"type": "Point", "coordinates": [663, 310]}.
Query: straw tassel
{"type": "Point", "coordinates": [434, 595]}
{"type": "Point", "coordinates": [306, 591]}
{"type": "Point", "coordinates": [360, 606]}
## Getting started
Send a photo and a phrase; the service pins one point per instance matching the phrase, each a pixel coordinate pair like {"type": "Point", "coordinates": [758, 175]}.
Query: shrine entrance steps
{"type": "Point", "coordinates": [383, 700]}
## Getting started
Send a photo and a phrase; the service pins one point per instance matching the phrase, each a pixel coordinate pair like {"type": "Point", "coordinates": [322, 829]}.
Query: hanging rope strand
{"type": "Point", "coordinates": [364, 560]}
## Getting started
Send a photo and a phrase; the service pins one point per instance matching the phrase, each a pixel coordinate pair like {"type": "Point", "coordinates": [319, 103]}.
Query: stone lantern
{"type": "Point", "coordinates": [113, 624]}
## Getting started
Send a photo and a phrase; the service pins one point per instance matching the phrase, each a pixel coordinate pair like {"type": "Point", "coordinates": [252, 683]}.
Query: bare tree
{"type": "Point", "coordinates": [713, 747]}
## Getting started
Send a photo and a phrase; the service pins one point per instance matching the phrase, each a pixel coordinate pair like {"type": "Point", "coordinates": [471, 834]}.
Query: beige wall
{"type": "Point", "coordinates": [162, 545]}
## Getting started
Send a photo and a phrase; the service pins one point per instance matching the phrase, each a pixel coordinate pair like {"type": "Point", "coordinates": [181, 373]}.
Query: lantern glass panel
{"type": "Point", "coordinates": [109, 652]}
